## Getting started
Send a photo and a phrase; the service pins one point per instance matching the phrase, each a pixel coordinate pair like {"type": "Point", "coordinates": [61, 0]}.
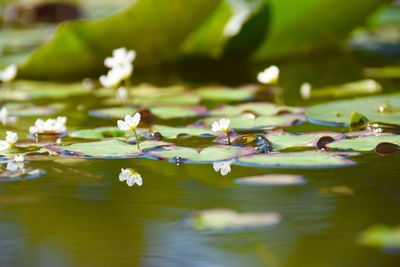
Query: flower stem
{"type": "Point", "coordinates": [229, 138]}
{"type": "Point", "coordinates": [137, 139]}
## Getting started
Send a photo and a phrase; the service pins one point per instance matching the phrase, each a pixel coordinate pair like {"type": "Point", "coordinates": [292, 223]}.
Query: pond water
{"type": "Point", "coordinates": [80, 214]}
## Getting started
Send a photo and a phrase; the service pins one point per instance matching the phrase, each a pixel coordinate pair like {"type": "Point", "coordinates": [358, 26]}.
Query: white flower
{"type": "Point", "coordinates": [131, 177]}
{"type": "Point", "coordinates": [11, 139]}
{"type": "Point", "coordinates": [130, 123]}
{"type": "Point", "coordinates": [305, 90]}
{"type": "Point", "coordinates": [269, 75]}
{"type": "Point", "coordinates": [50, 126]}
{"type": "Point", "coordinates": [241, 13]}
{"type": "Point", "coordinates": [221, 126]}
{"type": "Point", "coordinates": [122, 94]}
{"type": "Point", "coordinates": [112, 79]}
{"type": "Point", "coordinates": [5, 118]}
{"type": "Point", "coordinates": [223, 166]}
{"type": "Point", "coordinates": [18, 158]}
{"type": "Point", "coordinates": [120, 57]}
{"type": "Point", "coordinates": [8, 74]}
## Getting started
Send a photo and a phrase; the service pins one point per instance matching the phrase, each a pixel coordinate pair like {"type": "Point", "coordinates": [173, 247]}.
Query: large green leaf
{"type": "Point", "coordinates": [293, 26]}
{"type": "Point", "coordinates": [155, 29]}
{"type": "Point", "coordinates": [367, 143]}
{"type": "Point", "coordinates": [175, 132]}
{"type": "Point", "coordinates": [384, 108]}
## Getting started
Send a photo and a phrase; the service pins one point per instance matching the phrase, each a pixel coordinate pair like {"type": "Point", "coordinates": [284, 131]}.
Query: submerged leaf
{"type": "Point", "coordinates": [224, 219]}
{"type": "Point", "coordinates": [272, 179]}
{"type": "Point", "coordinates": [306, 159]}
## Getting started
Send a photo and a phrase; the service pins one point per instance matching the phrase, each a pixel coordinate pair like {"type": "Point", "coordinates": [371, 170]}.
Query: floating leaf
{"type": "Point", "coordinates": [172, 112]}
{"type": "Point", "coordinates": [258, 109]}
{"type": "Point", "coordinates": [107, 149]}
{"type": "Point", "coordinates": [389, 72]}
{"type": "Point", "coordinates": [224, 219]}
{"type": "Point", "coordinates": [114, 113]}
{"type": "Point", "coordinates": [226, 94]}
{"type": "Point", "coordinates": [384, 108]}
{"type": "Point", "coordinates": [30, 90]}
{"type": "Point", "coordinates": [103, 132]}
{"type": "Point", "coordinates": [306, 159]}
{"type": "Point", "coordinates": [272, 179]}
{"type": "Point", "coordinates": [367, 143]}
{"type": "Point", "coordinates": [385, 148]}
{"type": "Point", "coordinates": [363, 87]}
{"type": "Point", "coordinates": [248, 122]}
{"type": "Point", "coordinates": [201, 155]}
{"type": "Point", "coordinates": [381, 236]}
{"type": "Point", "coordinates": [29, 110]}
{"type": "Point", "coordinates": [175, 132]}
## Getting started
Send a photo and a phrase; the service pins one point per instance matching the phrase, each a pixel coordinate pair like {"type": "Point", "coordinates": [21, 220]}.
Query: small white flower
{"type": "Point", "coordinates": [112, 79]}
{"type": "Point", "coordinates": [5, 118]}
{"type": "Point", "coordinates": [19, 158]}
{"type": "Point", "coordinates": [131, 177]}
{"type": "Point", "coordinates": [122, 94]}
{"type": "Point", "coordinates": [130, 123]}
{"type": "Point", "coordinates": [50, 126]}
{"type": "Point", "coordinates": [11, 139]}
{"type": "Point", "coordinates": [121, 57]}
{"type": "Point", "coordinates": [305, 90]}
{"type": "Point", "coordinates": [9, 73]}
{"type": "Point", "coordinates": [269, 75]}
{"type": "Point", "coordinates": [222, 166]}
{"type": "Point", "coordinates": [221, 126]}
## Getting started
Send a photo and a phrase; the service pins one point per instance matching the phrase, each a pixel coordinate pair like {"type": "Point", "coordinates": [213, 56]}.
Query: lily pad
{"type": "Point", "coordinates": [272, 179]}
{"type": "Point", "coordinates": [102, 133]}
{"type": "Point", "coordinates": [113, 113]}
{"type": "Point", "coordinates": [381, 236]}
{"type": "Point", "coordinates": [30, 90]}
{"type": "Point", "coordinates": [383, 108]}
{"type": "Point", "coordinates": [226, 94]}
{"type": "Point", "coordinates": [175, 132]}
{"type": "Point", "coordinates": [248, 122]}
{"type": "Point", "coordinates": [363, 87]}
{"type": "Point", "coordinates": [306, 159]}
{"type": "Point", "coordinates": [225, 219]}
{"type": "Point", "coordinates": [201, 155]}
{"type": "Point", "coordinates": [107, 149]}
{"type": "Point", "coordinates": [365, 143]}
{"type": "Point", "coordinates": [29, 110]}
{"type": "Point", "coordinates": [258, 109]}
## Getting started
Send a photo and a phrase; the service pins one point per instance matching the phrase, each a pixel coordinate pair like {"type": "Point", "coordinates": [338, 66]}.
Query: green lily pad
{"type": "Point", "coordinates": [29, 110]}
{"type": "Point", "coordinates": [172, 112]}
{"type": "Point", "coordinates": [174, 132]}
{"type": "Point", "coordinates": [179, 99]}
{"type": "Point", "coordinates": [103, 132]}
{"type": "Point", "coordinates": [367, 143]}
{"type": "Point", "coordinates": [31, 90]}
{"type": "Point", "coordinates": [381, 236]}
{"type": "Point", "coordinates": [113, 113]}
{"type": "Point", "coordinates": [338, 112]}
{"type": "Point", "coordinates": [389, 72]}
{"type": "Point", "coordinates": [363, 87]}
{"type": "Point", "coordinates": [107, 149]}
{"type": "Point", "coordinates": [201, 155]}
{"type": "Point", "coordinates": [225, 219]}
{"type": "Point", "coordinates": [248, 122]}
{"type": "Point", "coordinates": [272, 179]}
{"type": "Point", "coordinates": [306, 159]}
{"type": "Point", "coordinates": [258, 108]}
{"type": "Point", "coordinates": [226, 94]}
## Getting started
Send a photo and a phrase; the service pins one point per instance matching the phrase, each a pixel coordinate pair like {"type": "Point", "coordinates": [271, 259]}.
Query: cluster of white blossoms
{"type": "Point", "coordinates": [11, 140]}
{"type": "Point", "coordinates": [50, 126]}
{"type": "Point", "coordinates": [222, 166]}
{"type": "Point", "coordinates": [269, 76]}
{"type": "Point", "coordinates": [8, 74]}
{"type": "Point", "coordinates": [131, 177]}
{"type": "Point", "coordinates": [120, 65]}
